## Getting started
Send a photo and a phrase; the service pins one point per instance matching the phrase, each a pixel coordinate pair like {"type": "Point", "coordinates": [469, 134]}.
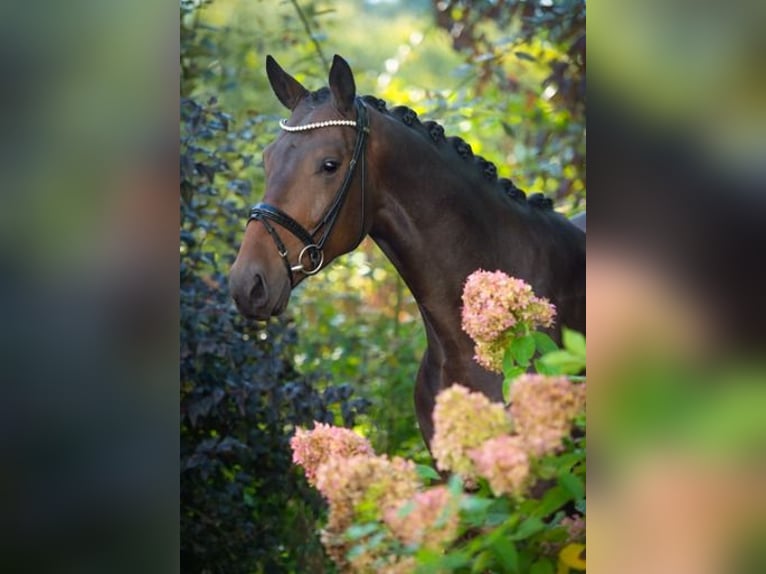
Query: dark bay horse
{"type": "Point", "coordinates": [344, 167]}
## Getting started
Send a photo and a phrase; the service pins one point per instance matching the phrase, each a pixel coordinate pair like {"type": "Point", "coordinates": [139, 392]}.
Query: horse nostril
{"type": "Point", "coordinates": [258, 294]}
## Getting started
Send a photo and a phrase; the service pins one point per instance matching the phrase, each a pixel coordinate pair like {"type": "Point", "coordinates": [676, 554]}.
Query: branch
{"type": "Point", "coordinates": [307, 27]}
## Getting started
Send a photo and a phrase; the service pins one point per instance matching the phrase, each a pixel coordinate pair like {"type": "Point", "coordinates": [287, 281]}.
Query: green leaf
{"type": "Point", "coordinates": [475, 504]}
{"type": "Point", "coordinates": [508, 359]}
{"type": "Point", "coordinates": [563, 362]}
{"type": "Point", "coordinates": [523, 348]}
{"type": "Point", "coordinates": [357, 531]}
{"type": "Point", "coordinates": [574, 342]}
{"type": "Point", "coordinates": [542, 566]}
{"type": "Point", "coordinates": [426, 472]}
{"type": "Point", "coordinates": [506, 552]}
{"type": "Point", "coordinates": [455, 485]}
{"type": "Point", "coordinates": [544, 369]}
{"type": "Point", "coordinates": [500, 512]}
{"type": "Point", "coordinates": [572, 484]}
{"type": "Point", "coordinates": [544, 343]}
{"type": "Point", "coordinates": [552, 500]}
{"type": "Point", "coordinates": [530, 526]}
{"type": "Point", "coordinates": [510, 376]}
{"type": "Point", "coordinates": [482, 562]}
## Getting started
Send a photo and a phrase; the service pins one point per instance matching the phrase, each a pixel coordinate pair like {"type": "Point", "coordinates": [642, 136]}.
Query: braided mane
{"type": "Point", "coordinates": [435, 132]}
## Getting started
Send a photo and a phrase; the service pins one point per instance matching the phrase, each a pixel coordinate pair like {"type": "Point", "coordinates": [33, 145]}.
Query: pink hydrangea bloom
{"type": "Point", "coordinates": [543, 409]}
{"type": "Point", "coordinates": [575, 527]}
{"type": "Point", "coordinates": [313, 447]}
{"type": "Point", "coordinates": [496, 308]}
{"type": "Point", "coordinates": [493, 302]}
{"type": "Point", "coordinates": [360, 489]}
{"type": "Point", "coordinates": [430, 520]}
{"type": "Point", "coordinates": [463, 420]}
{"type": "Point", "coordinates": [490, 354]}
{"type": "Point", "coordinates": [503, 461]}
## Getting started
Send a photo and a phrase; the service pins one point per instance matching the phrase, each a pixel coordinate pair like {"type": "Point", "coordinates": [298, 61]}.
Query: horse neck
{"type": "Point", "coordinates": [437, 220]}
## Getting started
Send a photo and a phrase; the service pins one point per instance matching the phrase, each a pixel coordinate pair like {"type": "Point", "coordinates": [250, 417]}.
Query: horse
{"type": "Point", "coordinates": [344, 167]}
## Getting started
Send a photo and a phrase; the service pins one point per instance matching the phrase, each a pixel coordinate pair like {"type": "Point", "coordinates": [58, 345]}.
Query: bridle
{"type": "Point", "coordinates": [313, 247]}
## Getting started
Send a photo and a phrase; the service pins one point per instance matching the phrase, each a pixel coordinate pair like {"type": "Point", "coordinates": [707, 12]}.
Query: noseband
{"type": "Point", "coordinates": [313, 244]}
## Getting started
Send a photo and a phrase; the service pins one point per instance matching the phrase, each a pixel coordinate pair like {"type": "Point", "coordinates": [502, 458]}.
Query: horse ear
{"type": "Point", "coordinates": [342, 84]}
{"type": "Point", "coordinates": [287, 89]}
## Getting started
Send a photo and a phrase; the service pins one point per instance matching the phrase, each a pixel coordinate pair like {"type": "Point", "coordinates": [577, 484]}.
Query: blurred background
{"type": "Point", "coordinates": [676, 398]}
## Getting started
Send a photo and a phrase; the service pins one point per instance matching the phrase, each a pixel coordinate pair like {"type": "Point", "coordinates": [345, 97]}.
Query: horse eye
{"type": "Point", "coordinates": [330, 165]}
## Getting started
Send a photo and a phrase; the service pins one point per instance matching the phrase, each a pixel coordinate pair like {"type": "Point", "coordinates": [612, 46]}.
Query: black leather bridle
{"type": "Point", "coordinates": [312, 245]}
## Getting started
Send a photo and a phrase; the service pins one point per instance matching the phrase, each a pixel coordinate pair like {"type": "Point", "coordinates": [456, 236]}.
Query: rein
{"type": "Point", "coordinates": [313, 247]}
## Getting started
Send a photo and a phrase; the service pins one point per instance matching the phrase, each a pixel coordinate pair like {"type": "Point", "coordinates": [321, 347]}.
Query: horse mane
{"type": "Point", "coordinates": [435, 133]}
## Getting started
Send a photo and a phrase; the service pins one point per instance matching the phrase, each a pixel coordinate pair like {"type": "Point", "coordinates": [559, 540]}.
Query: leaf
{"type": "Point", "coordinates": [508, 359]}
{"type": "Point", "coordinates": [357, 531]}
{"type": "Point", "coordinates": [552, 500]}
{"type": "Point", "coordinates": [506, 552]}
{"type": "Point", "coordinates": [544, 369]}
{"type": "Point", "coordinates": [572, 484]}
{"type": "Point", "coordinates": [573, 342]}
{"type": "Point", "coordinates": [476, 504]}
{"type": "Point", "coordinates": [452, 561]}
{"type": "Point", "coordinates": [530, 526]}
{"type": "Point", "coordinates": [455, 485]}
{"type": "Point", "coordinates": [523, 348]}
{"type": "Point", "coordinates": [510, 376]}
{"type": "Point", "coordinates": [563, 363]}
{"type": "Point", "coordinates": [482, 562]}
{"type": "Point", "coordinates": [426, 472]}
{"type": "Point", "coordinates": [544, 343]}
{"type": "Point", "coordinates": [542, 566]}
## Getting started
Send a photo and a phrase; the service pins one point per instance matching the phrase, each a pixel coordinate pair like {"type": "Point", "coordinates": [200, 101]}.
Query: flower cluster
{"type": "Point", "coordinates": [430, 520]}
{"type": "Point", "coordinates": [361, 489]}
{"type": "Point", "coordinates": [497, 308]}
{"type": "Point", "coordinates": [311, 448]}
{"type": "Point", "coordinates": [543, 409]}
{"type": "Point", "coordinates": [463, 421]}
{"type": "Point", "coordinates": [575, 527]}
{"type": "Point", "coordinates": [504, 462]}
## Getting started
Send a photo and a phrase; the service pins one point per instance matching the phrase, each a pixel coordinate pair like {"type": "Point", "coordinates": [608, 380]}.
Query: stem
{"type": "Point", "coordinates": [307, 27]}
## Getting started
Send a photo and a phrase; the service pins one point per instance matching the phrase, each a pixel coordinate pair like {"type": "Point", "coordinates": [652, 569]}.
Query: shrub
{"type": "Point", "coordinates": [243, 507]}
{"type": "Point", "coordinates": [516, 500]}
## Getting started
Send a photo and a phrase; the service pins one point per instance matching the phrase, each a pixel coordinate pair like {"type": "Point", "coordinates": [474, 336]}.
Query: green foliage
{"type": "Point", "coordinates": [243, 508]}
{"type": "Point", "coordinates": [513, 534]}
{"type": "Point", "coordinates": [568, 361]}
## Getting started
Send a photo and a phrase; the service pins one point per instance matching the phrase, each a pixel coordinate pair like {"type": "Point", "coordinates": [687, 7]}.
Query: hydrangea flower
{"type": "Point", "coordinates": [463, 421]}
{"type": "Point", "coordinates": [313, 447]}
{"type": "Point", "coordinates": [575, 527]}
{"type": "Point", "coordinates": [543, 409]}
{"type": "Point", "coordinates": [360, 489]}
{"type": "Point", "coordinates": [497, 308]}
{"type": "Point", "coordinates": [430, 520]}
{"type": "Point", "coordinates": [503, 461]}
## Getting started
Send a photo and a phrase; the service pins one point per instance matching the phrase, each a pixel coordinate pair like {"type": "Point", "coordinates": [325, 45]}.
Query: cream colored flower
{"type": "Point", "coordinates": [543, 409]}
{"type": "Point", "coordinates": [463, 420]}
{"type": "Point", "coordinates": [313, 447]}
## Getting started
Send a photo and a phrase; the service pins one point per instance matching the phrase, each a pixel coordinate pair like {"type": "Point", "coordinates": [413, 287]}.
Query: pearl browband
{"type": "Point", "coordinates": [315, 125]}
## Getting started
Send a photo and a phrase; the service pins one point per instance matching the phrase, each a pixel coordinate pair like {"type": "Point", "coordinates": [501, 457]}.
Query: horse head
{"type": "Point", "coordinates": [313, 209]}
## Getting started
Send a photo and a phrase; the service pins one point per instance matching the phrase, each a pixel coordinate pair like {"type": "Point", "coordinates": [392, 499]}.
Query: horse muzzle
{"type": "Point", "coordinates": [254, 295]}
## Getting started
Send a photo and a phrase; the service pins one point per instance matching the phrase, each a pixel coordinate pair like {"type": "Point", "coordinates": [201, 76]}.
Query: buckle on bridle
{"type": "Point", "coordinates": [316, 257]}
